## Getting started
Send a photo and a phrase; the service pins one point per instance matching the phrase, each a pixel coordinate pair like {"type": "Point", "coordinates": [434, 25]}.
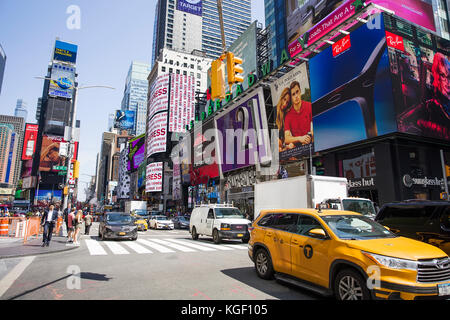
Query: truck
{"type": "Point", "coordinates": [308, 191]}
{"type": "Point", "coordinates": [133, 206]}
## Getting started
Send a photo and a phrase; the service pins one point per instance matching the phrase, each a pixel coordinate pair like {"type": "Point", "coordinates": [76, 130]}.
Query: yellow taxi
{"type": "Point", "coordinates": [347, 255]}
{"type": "Point", "coordinates": [141, 224]}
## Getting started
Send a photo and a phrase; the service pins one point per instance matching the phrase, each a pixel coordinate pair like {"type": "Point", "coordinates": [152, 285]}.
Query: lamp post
{"type": "Point", "coordinates": [72, 127]}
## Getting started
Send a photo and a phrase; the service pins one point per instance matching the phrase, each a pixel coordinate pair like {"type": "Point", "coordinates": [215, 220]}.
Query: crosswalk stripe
{"type": "Point", "coordinates": [237, 246]}
{"type": "Point", "coordinates": [116, 248]}
{"type": "Point", "coordinates": [215, 246]}
{"type": "Point", "coordinates": [172, 245]}
{"type": "Point", "coordinates": [138, 248]}
{"type": "Point", "coordinates": [155, 246]}
{"type": "Point", "coordinates": [95, 249]}
{"type": "Point", "coordinates": [195, 246]}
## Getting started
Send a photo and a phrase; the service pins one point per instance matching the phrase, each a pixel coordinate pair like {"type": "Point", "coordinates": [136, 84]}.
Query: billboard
{"type": "Point", "coordinates": [29, 141]}
{"type": "Point", "coordinates": [182, 102]}
{"type": "Point", "coordinates": [190, 6]}
{"type": "Point", "coordinates": [10, 156]}
{"type": "Point", "coordinates": [421, 84]}
{"type": "Point", "coordinates": [125, 119]}
{"type": "Point", "coordinates": [136, 153]}
{"type": "Point", "coordinates": [416, 11]}
{"type": "Point", "coordinates": [57, 116]}
{"type": "Point", "coordinates": [62, 81]}
{"type": "Point", "coordinates": [65, 52]}
{"type": "Point", "coordinates": [159, 96]}
{"type": "Point", "coordinates": [242, 134]}
{"type": "Point", "coordinates": [154, 177]}
{"type": "Point", "coordinates": [157, 134]}
{"type": "Point", "coordinates": [46, 197]}
{"type": "Point", "coordinates": [352, 92]}
{"type": "Point", "coordinates": [51, 160]}
{"type": "Point", "coordinates": [123, 187]}
{"type": "Point", "coordinates": [176, 187]}
{"type": "Point", "coordinates": [291, 97]}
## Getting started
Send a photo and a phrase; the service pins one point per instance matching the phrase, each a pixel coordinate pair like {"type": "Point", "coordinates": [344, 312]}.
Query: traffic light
{"type": "Point", "coordinates": [217, 79]}
{"type": "Point", "coordinates": [234, 69]}
{"type": "Point", "coordinates": [76, 169]}
{"type": "Point", "coordinates": [447, 171]}
{"type": "Point", "coordinates": [66, 191]}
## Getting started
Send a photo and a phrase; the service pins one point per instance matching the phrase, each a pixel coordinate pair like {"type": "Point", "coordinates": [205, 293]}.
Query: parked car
{"type": "Point", "coordinates": [117, 225]}
{"type": "Point", "coordinates": [346, 254]}
{"type": "Point", "coordinates": [427, 221]}
{"type": "Point", "coordinates": [220, 222]}
{"type": "Point", "coordinates": [181, 222]}
{"type": "Point", "coordinates": [161, 222]}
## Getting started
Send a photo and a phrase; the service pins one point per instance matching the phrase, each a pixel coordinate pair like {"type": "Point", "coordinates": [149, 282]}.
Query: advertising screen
{"type": "Point", "coordinates": [136, 153]}
{"type": "Point", "coordinates": [243, 135]}
{"type": "Point", "coordinates": [182, 102]}
{"type": "Point", "coordinates": [421, 81]}
{"type": "Point", "coordinates": [352, 92]}
{"type": "Point", "coordinates": [176, 193]}
{"type": "Point", "coordinates": [57, 116]}
{"type": "Point", "coordinates": [157, 134]}
{"type": "Point", "coordinates": [51, 160]}
{"type": "Point", "coordinates": [62, 81]}
{"type": "Point", "coordinates": [291, 97]}
{"type": "Point", "coordinates": [65, 52]}
{"type": "Point", "coordinates": [123, 188]}
{"type": "Point", "coordinates": [10, 156]}
{"type": "Point", "coordinates": [190, 6]}
{"type": "Point", "coordinates": [29, 141]}
{"type": "Point", "coordinates": [159, 96]}
{"type": "Point", "coordinates": [46, 197]}
{"type": "Point", "coordinates": [125, 119]}
{"type": "Point", "coordinates": [154, 177]}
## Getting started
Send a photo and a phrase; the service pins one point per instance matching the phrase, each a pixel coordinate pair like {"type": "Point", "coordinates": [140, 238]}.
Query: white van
{"type": "Point", "coordinates": [221, 221]}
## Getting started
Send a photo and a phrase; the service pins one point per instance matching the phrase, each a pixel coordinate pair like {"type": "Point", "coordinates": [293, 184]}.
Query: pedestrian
{"type": "Point", "coordinates": [66, 216]}
{"type": "Point", "coordinates": [70, 225]}
{"type": "Point", "coordinates": [48, 221]}
{"type": "Point", "coordinates": [78, 221]}
{"type": "Point", "coordinates": [87, 223]}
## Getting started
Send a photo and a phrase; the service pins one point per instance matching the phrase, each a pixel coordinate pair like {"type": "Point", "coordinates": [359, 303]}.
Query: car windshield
{"type": "Point", "coordinates": [364, 207]}
{"type": "Point", "coordinates": [118, 218]}
{"type": "Point", "coordinates": [356, 227]}
{"type": "Point", "coordinates": [141, 213]}
{"type": "Point", "coordinates": [160, 218]}
{"type": "Point", "coordinates": [228, 213]}
{"type": "Point", "coordinates": [183, 219]}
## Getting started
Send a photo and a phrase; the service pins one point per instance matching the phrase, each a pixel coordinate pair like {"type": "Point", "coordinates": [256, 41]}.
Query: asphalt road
{"type": "Point", "coordinates": [160, 265]}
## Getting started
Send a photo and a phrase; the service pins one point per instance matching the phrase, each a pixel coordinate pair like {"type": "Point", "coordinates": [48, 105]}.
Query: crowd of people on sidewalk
{"type": "Point", "coordinates": [73, 218]}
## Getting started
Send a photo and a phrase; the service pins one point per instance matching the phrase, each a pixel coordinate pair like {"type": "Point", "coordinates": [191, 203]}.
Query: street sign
{"type": "Point", "coordinates": [60, 168]}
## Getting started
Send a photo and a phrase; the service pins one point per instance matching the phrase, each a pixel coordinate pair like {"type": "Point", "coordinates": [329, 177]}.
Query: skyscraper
{"type": "Point", "coordinates": [15, 133]}
{"type": "Point", "coordinates": [441, 15]}
{"type": "Point", "coordinates": [236, 19]}
{"type": "Point", "coordinates": [21, 109]}
{"type": "Point", "coordinates": [135, 95]}
{"type": "Point", "coordinates": [275, 12]}
{"type": "Point", "coordinates": [2, 66]}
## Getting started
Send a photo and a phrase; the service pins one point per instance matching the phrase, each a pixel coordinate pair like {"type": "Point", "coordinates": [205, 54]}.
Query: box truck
{"type": "Point", "coordinates": [131, 206]}
{"type": "Point", "coordinates": [308, 192]}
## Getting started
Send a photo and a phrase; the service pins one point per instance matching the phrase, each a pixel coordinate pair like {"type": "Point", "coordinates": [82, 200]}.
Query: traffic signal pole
{"type": "Point", "coordinates": [222, 30]}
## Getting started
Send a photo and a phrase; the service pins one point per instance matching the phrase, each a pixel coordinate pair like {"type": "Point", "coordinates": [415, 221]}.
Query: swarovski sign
{"type": "Point", "coordinates": [408, 181]}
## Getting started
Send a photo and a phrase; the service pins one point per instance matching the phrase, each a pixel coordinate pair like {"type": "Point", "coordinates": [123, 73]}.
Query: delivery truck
{"type": "Point", "coordinates": [308, 191]}
{"type": "Point", "coordinates": [131, 206]}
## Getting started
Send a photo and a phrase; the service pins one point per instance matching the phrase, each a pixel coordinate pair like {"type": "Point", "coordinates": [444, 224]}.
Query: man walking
{"type": "Point", "coordinates": [87, 223]}
{"type": "Point", "coordinates": [48, 220]}
{"type": "Point", "coordinates": [66, 216]}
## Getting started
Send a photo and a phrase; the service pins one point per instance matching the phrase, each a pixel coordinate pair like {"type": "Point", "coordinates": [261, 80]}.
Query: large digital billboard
{"type": "Point", "coordinates": [125, 120]}
{"type": "Point", "coordinates": [29, 141]}
{"type": "Point", "coordinates": [421, 78]}
{"type": "Point", "coordinates": [291, 97]}
{"type": "Point", "coordinates": [62, 81]}
{"type": "Point", "coordinates": [57, 116]}
{"type": "Point", "coordinates": [157, 134]}
{"type": "Point", "coordinates": [190, 6]}
{"type": "Point", "coordinates": [158, 96]}
{"type": "Point", "coordinates": [51, 160]}
{"type": "Point", "coordinates": [242, 134]}
{"type": "Point", "coordinates": [65, 52]}
{"type": "Point", "coordinates": [46, 197]}
{"type": "Point", "coordinates": [154, 177]}
{"type": "Point", "coordinates": [182, 102]}
{"type": "Point", "coordinates": [136, 153]}
{"type": "Point", "coordinates": [351, 92]}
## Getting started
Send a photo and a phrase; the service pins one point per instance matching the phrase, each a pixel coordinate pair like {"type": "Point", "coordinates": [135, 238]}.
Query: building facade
{"type": "Point", "coordinates": [275, 14]}
{"type": "Point", "coordinates": [8, 153]}
{"type": "Point", "coordinates": [2, 66]}
{"type": "Point", "coordinates": [135, 95]}
{"type": "Point", "coordinates": [18, 125]}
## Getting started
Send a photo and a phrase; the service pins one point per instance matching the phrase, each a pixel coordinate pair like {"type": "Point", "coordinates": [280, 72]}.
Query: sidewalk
{"type": "Point", "coordinates": [11, 248]}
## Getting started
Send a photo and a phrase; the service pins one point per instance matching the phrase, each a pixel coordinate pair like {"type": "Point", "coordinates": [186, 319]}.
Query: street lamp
{"type": "Point", "coordinates": [72, 127]}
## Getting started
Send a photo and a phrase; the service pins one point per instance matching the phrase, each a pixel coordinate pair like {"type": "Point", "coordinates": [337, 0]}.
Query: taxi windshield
{"type": "Point", "coordinates": [356, 227]}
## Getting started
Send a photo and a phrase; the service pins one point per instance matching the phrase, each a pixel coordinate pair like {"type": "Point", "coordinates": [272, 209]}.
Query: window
{"type": "Point", "coordinates": [407, 215]}
{"type": "Point", "coordinates": [445, 219]}
{"type": "Point", "coordinates": [210, 214]}
{"type": "Point", "coordinates": [285, 222]}
{"type": "Point", "coordinates": [266, 221]}
{"type": "Point", "coordinates": [306, 224]}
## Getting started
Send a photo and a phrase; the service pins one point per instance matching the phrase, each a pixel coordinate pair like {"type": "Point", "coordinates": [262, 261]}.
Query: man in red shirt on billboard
{"type": "Point", "coordinates": [298, 122]}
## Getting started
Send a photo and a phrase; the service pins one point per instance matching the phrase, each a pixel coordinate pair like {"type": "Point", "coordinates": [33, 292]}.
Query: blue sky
{"type": "Point", "coordinates": [112, 33]}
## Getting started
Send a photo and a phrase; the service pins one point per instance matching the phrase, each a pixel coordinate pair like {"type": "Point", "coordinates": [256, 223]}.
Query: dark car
{"type": "Point", "coordinates": [117, 225]}
{"type": "Point", "coordinates": [427, 221]}
{"type": "Point", "coordinates": [181, 222]}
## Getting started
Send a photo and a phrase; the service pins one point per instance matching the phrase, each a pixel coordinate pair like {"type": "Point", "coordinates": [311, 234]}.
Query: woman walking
{"type": "Point", "coordinates": [78, 223]}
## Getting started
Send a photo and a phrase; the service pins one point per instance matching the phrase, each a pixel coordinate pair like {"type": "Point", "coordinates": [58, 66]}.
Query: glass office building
{"type": "Point", "coordinates": [135, 95]}
{"type": "Point", "coordinates": [275, 13]}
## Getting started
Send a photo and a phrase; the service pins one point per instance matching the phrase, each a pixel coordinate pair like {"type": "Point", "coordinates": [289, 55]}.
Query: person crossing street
{"type": "Point", "coordinates": [48, 221]}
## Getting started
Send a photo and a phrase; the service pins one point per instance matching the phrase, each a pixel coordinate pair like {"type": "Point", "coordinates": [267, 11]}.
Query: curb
{"type": "Point", "coordinates": [37, 253]}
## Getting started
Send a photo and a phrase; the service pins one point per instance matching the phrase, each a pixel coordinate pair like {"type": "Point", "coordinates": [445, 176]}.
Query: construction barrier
{"type": "Point", "coordinates": [33, 228]}
{"type": "Point", "coordinates": [4, 226]}
{"type": "Point", "coordinates": [19, 227]}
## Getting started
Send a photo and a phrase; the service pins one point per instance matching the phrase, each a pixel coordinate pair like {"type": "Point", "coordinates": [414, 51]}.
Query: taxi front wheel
{"type": "Point", "coordinates": [263, 264]}
{"type": "Point", "coordinates": [350, 285]}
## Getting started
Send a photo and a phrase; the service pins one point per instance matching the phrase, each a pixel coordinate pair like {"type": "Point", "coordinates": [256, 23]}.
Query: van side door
{"type": "Point", "coordinates": [209, 222]}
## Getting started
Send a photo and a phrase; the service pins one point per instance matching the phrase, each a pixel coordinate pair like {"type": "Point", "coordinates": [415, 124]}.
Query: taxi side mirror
{"type": "Point", "coordinates": [317, 233]}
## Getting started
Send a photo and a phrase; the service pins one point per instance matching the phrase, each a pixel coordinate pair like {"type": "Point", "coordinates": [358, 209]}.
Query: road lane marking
{"type": "Point", "coordinates": [215, 246]}
{"type": "Point", "coordinates": [95, 249]}
{"type": "Point", "coordinates": [155, 246]}
{"type": "Point", "coordinates": [14, 274]}
{"type": "Point", "coordinates": [237, 246]}
{"type": "Point", "coordinates": [193, 245]}
{"type": "Point", "coordinates": [116, 248]}
{"type": "Point", "coordinates": [172, 245]}
{"type": "Point", "coordinates": [138, 248]}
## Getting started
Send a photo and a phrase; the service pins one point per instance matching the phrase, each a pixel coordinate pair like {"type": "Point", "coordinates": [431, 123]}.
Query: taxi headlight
{"type": "Point", "coordinates": [392, 263]}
